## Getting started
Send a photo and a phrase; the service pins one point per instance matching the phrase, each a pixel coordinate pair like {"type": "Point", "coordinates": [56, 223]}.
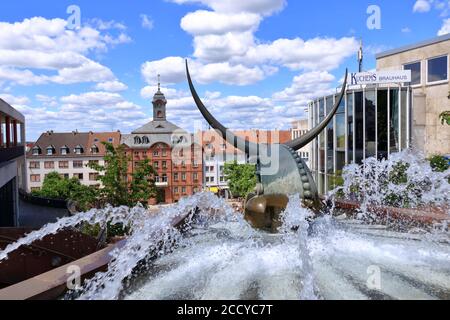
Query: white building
{"type": "Point", "coordinates": [12, 163]}
{"type": "Point", "coordinates": [68, 154]}
{"type": "Point", "coordinates": [300, 128]}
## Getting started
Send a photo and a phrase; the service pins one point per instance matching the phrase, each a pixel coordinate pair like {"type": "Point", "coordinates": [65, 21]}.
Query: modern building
{"type": "Point", "coordinates": [376, 120]}
{"type": "Point", "coordinates": [12, 163]}
{"type": "Point", "coordinates": [170, 150]}
{"type": "Point", "coordinates": [373, 121]}
{"type": "Point", "coordinates": [429, 65]}
{"type": "Point", "coordinates": [300, 128]}
{"type": "Point", "coordinates": [218, 152]}
{"type": "Point", "coordinates": [68, 154]}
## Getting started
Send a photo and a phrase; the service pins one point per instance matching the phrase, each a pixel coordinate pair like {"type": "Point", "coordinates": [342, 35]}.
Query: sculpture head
{"type": "Point", "coordinates": [292, 175]}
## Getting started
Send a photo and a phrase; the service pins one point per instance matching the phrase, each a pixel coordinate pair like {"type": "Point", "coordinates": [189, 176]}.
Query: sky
{"type": "Point", "coordinates": [256, 63]}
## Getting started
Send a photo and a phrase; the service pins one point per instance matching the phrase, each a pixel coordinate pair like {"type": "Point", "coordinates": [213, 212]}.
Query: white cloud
{"type": "Point", "coordinates": [39, 51]}
{"type": "Point", "coordinates": [263, 7]}
{"type": "Point", "coordinates": [93, 99]}
{"type": "Point", "coordinates": [445, 29]}
{"type": "Point", "coordinates": [227, 51]}
{"type": "Point", "coordinates": [422, 6]}
{"type": "Point", "coordinates": [204, 22]}
{"type": "Point", "coordinates": [173, 70]}
{"type": "Point", "coordinates": [111, 86]}
{"type": "Point", "coordinates": [146, 22]}
{"type": "Point", "coordinates": [14, 100]}
{"type": "Point", "coordinates": [46, 100]}
{"type": "Point", "coordinates": [406, 30]}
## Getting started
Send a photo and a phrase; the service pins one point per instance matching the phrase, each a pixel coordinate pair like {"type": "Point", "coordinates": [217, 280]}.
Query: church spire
{"type": "Point", "coordinates": [159, 82]}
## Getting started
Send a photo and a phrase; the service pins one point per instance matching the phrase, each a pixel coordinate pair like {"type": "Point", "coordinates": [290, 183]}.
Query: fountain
{"type": "Point", "coordinates": [285, 246]}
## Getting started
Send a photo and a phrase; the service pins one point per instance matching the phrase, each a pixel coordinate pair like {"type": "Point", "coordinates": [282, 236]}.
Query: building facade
{"type": "Point", "coordinates": [12, 163]}
{"type": "Point", "coordinates": [217, 152]}
{"type": "Point", "coordinates": [429, 65]}
{"type": "Point", "coordinates": [172, 153]}
{"type": "Point", "coordinates": [300, 128]}
{"type": "Point", "coordinates": [68, 154]}
{"type": "Point", "coordinates": [373, 121]}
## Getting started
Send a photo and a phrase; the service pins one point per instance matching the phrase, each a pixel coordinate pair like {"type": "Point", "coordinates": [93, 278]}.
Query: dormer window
{"type": "Point", "coordinates": [79, 149]}
{"type": "Point", "coordinates": [65, 150]}
{"type": "Point", "coordinates": [94, 149]}
{"type": "Point", "coordinates": [145, 140]}
{"type": "Point", "coordinates": [50, 150]}
{"type": "Point", "coordinates": [36, 151]}
{"type": "Point", "coordinates": [137, 140]}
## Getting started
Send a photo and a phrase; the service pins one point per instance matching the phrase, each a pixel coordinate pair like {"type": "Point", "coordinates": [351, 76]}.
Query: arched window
{"type": "Point", "coordinates": [94, 149]}
{"type": "Point", "coordinates": [145, 140]}
{"type": "Point", "coordinates": [50, 150]}
{"type": "Point", "coordinates": [64, 150]}
{"type": "Point", "coordinates": [36, 151]}
{"type": "Point", "coordinates": [137, 140]}
{"type": "Point", "coordinates": [79, 149]}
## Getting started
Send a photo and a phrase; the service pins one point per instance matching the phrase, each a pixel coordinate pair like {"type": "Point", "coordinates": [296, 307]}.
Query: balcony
{"type": "Point", "coordinates": [11, 153]}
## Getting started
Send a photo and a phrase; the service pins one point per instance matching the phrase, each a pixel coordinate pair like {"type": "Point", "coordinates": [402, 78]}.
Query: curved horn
{"type": "Point", "coordinates": [312, 134]}
{"type": "Point", "coordinates": [248, 147]}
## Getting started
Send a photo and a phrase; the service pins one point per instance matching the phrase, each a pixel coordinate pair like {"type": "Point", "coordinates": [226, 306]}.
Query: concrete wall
{"type": "Point", "coordinates": [429, 101]}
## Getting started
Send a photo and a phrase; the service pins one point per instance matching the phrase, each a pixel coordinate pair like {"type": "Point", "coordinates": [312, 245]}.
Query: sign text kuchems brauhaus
{"type": "Point", "coordinates": [381, 77]}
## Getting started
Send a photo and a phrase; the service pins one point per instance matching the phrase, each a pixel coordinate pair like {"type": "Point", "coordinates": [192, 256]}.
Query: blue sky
{"type": "Point", "coordinates": [256, 62]}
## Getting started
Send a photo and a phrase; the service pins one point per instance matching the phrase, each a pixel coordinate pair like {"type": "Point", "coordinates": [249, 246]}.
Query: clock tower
{"type": "Point", "coordinates": [159, 104]}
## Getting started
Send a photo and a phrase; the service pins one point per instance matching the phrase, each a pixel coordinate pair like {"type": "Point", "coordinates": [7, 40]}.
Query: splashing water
{"type": "Point", "coordinates": [222, 257]}
{"type": "Point", "coordinates": [406, 180]}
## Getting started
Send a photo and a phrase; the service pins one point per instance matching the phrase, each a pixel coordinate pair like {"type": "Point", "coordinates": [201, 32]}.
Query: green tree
{"type": "Point", "coordinates": [57, 187]}
{"type": "Point", "coordinates": [142, 185]}
{"type": "Point", "coordinates": [113, 175]}
{"type": "Point", "coordinates": [445, 117]}
{"type": "Point", "coordinates": [439, 163]}
{"type": "Point", "coordinates": [241, 178]}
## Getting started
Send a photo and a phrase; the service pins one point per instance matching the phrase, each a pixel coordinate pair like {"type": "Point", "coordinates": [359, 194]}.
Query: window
{"type": "Point", "coordinates": [93, 176]}
{"type": "Point", "coordinates": [136, 153]}
{"type": "Point", "coordinates": [79, 176]}
{"type": "Point", "coordinates": [64, 150]}
{"type": "Point", "coordinates": [79, 149]}
{"type": "Point", "coordinates": [49, 165]}
{"type": "Point", "coordinates": [164, 178]}
{"type": "Point", "coordinates": [64, 176]}
{"type": "Point", "coordinates": [415, 68]}
{"type": "Point", "coordinates": [222, 179]}
{"type": "Point", "coordinates": [111, 140]}
{"type": "Point", "coordinates": [175, 190]}
{"type": "Point", "coordinates": [183, 176]}
{"type": "Point", "coordinates": [78, 164]}
{"type": "Point", "coordinates": [183, 190]}
{"type": "Point", "coordinates": [50, 150]}
{"type": "Point", "coordinates": [35, 165]}
{"type": "Point", "coordinates": [437, 69]}
{"type": "Point", "coordinates": [175, 176]}
{"type": "Point", "coordinates": [137, 140]}
{"type": "Point", "coordinates": [212, 179]}
{"type": "Point", "coordinates": [156, 165]}
{"type": "Point", "coordinates": [207, 168]}
{"type": "Point", "coordinates": [164, 152]}
{"type": "Point", "coordinates": [195, 176]}
{"type": "Point", "coordinates": [207, 179]}
{"type": "Point", "coordinates": [145, 140]}
{"type": "Point", "coordinates": [183, 164]}
{"type": "Point", "coordinates": [94, 149]}
{"type": "Point", "coordinates": [156, 153]}
{"type": "Point", "coordinates": [36, 151]}
{"type": "Point", "coordinates": [164, 164]}
{"type": "Point", "coordinates": [64, 164]}
{"type": "Point", "coordinates": [35, 178]}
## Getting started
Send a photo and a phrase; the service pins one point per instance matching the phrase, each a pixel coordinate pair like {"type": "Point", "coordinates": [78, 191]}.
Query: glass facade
{"type": "Point", "coordinates": [370, 122]}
